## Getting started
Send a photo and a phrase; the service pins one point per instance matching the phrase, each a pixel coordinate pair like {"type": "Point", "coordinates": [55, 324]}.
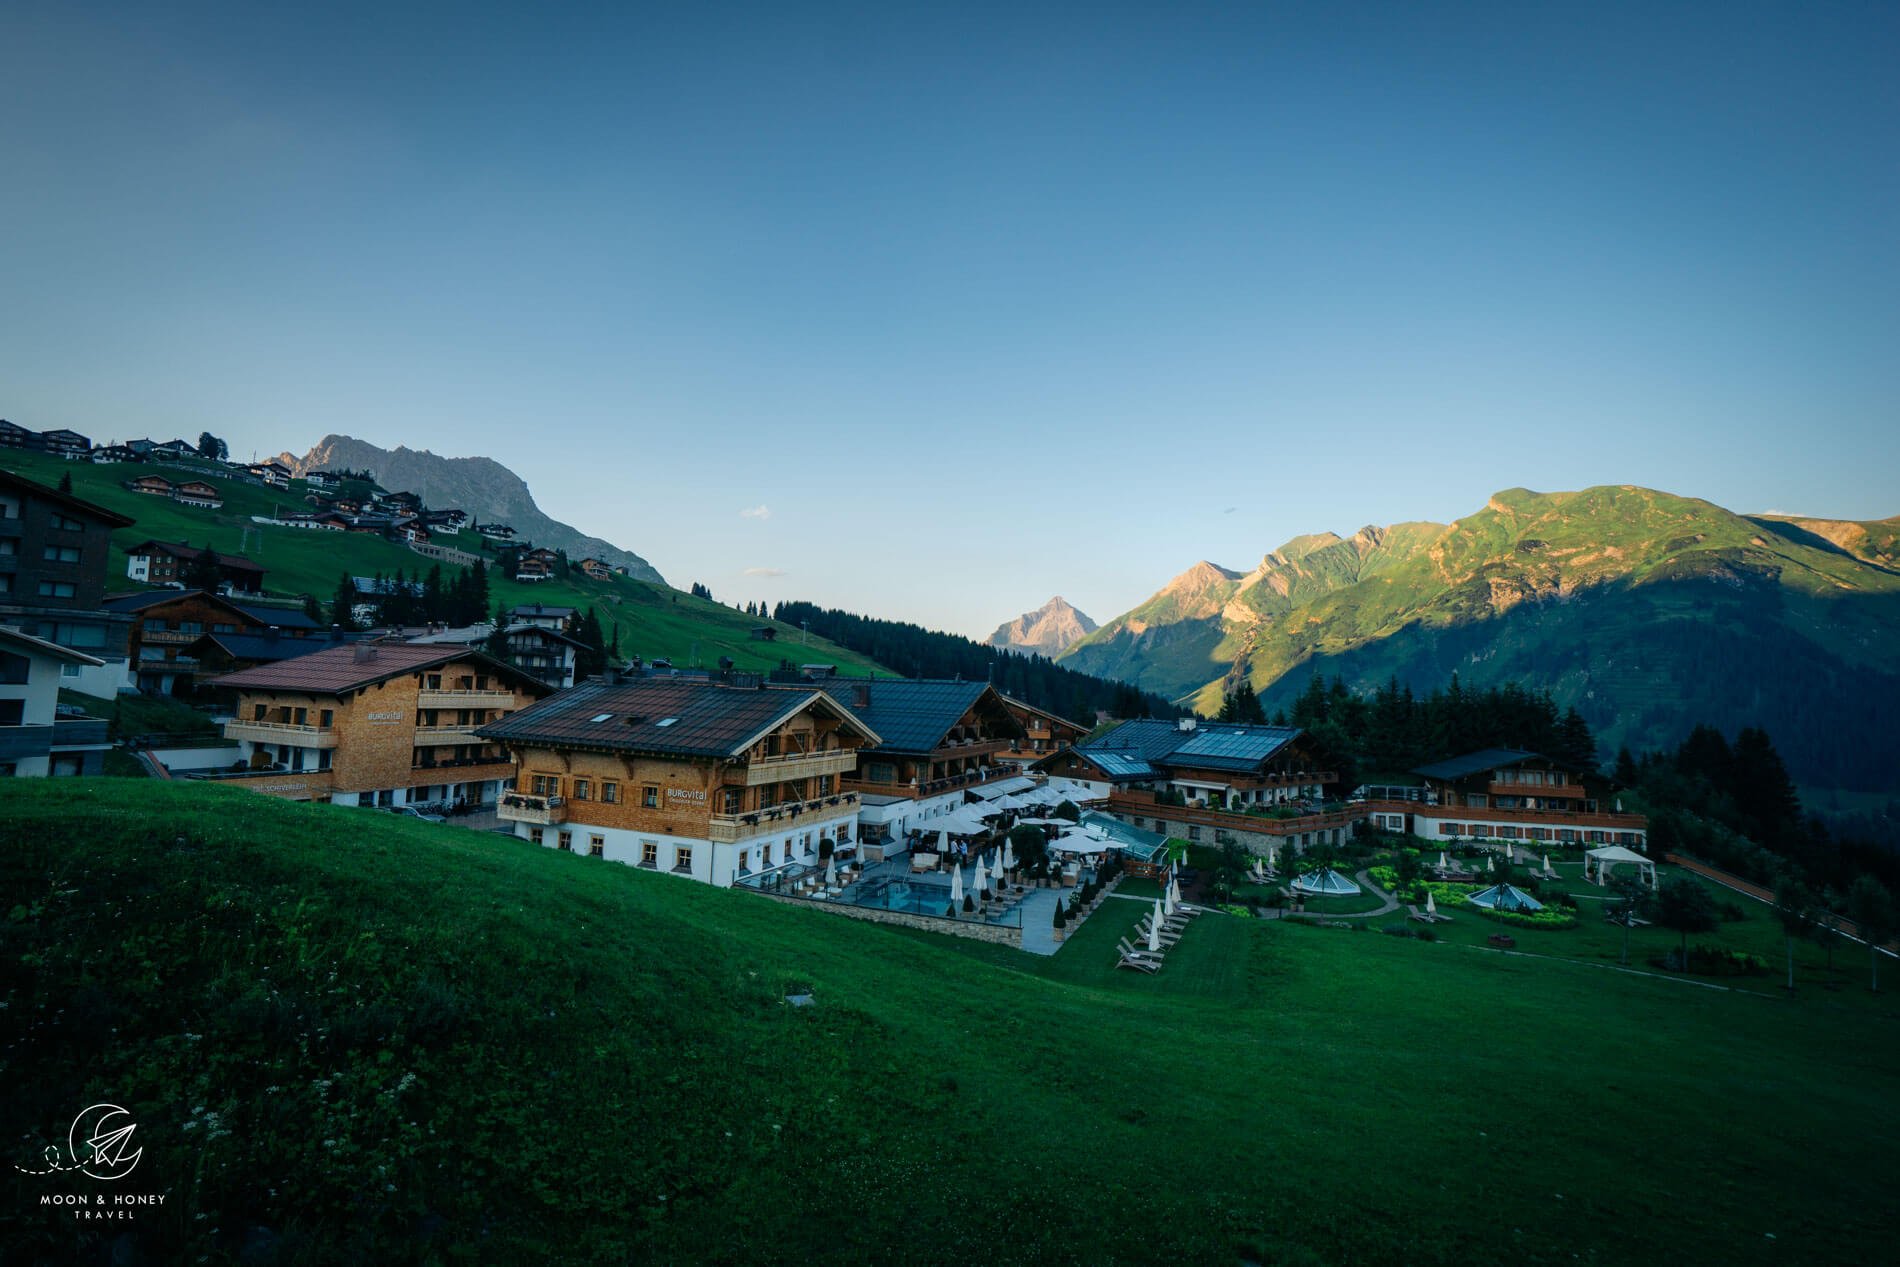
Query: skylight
{"type": "Point", "coordinates": [666, 721]}
{"type": "Point", "coordinates": [601, 716]}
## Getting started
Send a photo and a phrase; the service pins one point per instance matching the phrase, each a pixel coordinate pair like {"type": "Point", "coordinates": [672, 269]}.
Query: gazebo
{"type": "Point", "coordinates": [1597, 864]}
{"type": "Point", "coordinates": [1327, 883]}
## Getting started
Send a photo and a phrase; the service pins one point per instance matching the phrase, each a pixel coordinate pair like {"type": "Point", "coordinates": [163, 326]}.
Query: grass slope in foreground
{"type": "Point", "coordinates": [345, 1036]}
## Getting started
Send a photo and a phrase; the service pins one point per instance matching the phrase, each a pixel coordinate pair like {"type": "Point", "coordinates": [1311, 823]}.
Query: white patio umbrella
{"type": "Point", "coordinates": [982, 880]}
{"type": "Point", "coordinates": [943, 842]}
{"type": "Point", "coordinates": [1174, 890]}
{"type": "Point", "coordinates": [831, 872]}
{"type": "Point", "coordinates": [956, 886]}
{"type": "Point", "coordinates": [1009, 856]}
{"type": "Point", "coordinates": [1431, 906]}
{"type": "Point", "coordinates": [1547, 870]}
{"type": "Point", "coordinates": [1490, 863]}
{"type": "Point", "coordinates": [1154, 937]}
{"type": "Point", "coordinates": [1444, 860]}
{"type": "Point", "coordinates": [1167, 900]}
{"type": "Point", "coordinates": [1158, 916]}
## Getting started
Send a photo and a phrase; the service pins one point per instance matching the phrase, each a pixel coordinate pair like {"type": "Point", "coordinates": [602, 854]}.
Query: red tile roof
{"type": "Point", "coordinates": [346, 668]}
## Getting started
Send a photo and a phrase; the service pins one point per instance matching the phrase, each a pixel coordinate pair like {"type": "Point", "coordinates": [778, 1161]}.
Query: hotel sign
{"type": "Point", "coordinates": [685, 794]}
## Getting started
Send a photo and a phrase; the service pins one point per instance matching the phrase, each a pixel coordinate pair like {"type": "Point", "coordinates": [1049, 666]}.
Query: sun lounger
{"type": "Point", "coordinates": [1413, 912]}
{"type": "Point", "coordinates": [1133, 951]}
{"type": "Point", "coordinates": [1165, 937]}
{"type": "Point", "coordinates": [1139, 965]}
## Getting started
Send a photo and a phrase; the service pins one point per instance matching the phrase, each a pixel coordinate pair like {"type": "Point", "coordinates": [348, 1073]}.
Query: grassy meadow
{"type": "Point", "coordinates": [347, 1037]}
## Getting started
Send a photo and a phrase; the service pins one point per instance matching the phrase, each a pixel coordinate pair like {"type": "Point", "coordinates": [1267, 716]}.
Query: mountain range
{"type": "Point", "coordinates": [1048, 630]}
{"type": "Point", "coordinates": [486, 489]}
{"type": "Point", "coordinates": [1647, 611]}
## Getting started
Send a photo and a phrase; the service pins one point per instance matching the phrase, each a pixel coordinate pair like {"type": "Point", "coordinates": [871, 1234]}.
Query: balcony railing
{"type": "Point", "coordinates": [79, 734]}
{"type": "Point", "coordinates": [280, 732]}
{"type": "Point", "coordinates": [800, 765]}
{"type": "Point", "coordinates": [523, 807]}
{"type": "Point", "coordinates": [440, 736]}
{"type": "Point", "coordinates": [464, 699]}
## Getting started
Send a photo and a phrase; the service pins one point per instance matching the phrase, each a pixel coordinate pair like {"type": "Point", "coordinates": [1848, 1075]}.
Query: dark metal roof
{"type": "Point", "coordinates": [1136, 749]}
{"type": "Point", "coordinates": [1473, 762]}
{"type": "Point", "coordinates": [264, 649]}
{"type": "Point", "coordinates": [339, 669]}
{"type": "Point", "coordinates": [676, 716]}
{"type": "Point", "coordinates": [179, 550]}
{"type": "Point", "coordinates": [282, 617]}
{"type": "Point", "coordinates": [110, 518]}
{"type": "Point", "coordinates": [912, 715]}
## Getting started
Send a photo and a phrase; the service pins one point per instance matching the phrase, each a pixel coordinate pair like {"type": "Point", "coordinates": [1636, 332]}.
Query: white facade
{"type": "Point", "coordinates": [698, 859]}
{"type": "Point", "coordinates": [1472, 824]}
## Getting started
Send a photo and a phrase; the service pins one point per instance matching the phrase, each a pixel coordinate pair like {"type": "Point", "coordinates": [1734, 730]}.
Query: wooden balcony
{"type": "Point", "coordinates": [1550, 792]}
{"type": "Point", "coordinates": [443, 736]}
{"type": "Point", "coordinates": [465, 699]}
{"type": "Point", "coordinates": [280, 732]}
{"type": "Point", "coordinates": [794, 816]}
{"type": "Point", "coordinates": [1134, 801]}
{"type": "Point", "coordinates": [800, 765]}
{"type": "Point", "coordinates": [523, 807]}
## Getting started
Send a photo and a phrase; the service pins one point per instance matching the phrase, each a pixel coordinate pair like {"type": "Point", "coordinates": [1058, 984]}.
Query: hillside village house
{"type": "Point", "coordinates": [323, 481]}
{"type": "Point", "coordinates": [273, 474]}
{"type": "Point", "coordinates": [597, 569]}
{"type": "Point", "coordinates": [53, 559]}
{"type": "Point", "coordinates": [198, 494]}
{"type": "Point", "coordinates": [65, 443]}
{"type": "Point", "coordinates": [1507, 796]}
{"type": "Point", "coordinates": [34, 739]}
{"type": "Point", "coordinates": [163, 562]}
{"type": "Point", "coordinates": [384, 724]}
{"type": "Point", "coordinates": [168, 621]}
{"type": "Point", "coordinates": [14, 436]}
{"type": "Point", "coordinates": [694, 778]}
{"type": "Point", "coordinates": [151, 485]}
{"type": "Point", "coordinates": [216, 655]}
{"type": "Point", "coordinates": [1044, 733]}
{"type": "Point", "coordinates": [542, 616]}
{"type": "Point", "coordinates": [546, 653]}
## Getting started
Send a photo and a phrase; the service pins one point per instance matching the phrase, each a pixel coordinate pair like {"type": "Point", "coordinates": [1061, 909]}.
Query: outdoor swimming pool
{"type": "Point", "coordinates": [917, 898]}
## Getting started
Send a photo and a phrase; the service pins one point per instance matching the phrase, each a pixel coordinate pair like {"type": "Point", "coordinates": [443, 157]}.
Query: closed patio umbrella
{"type": "Point", "coordinates": [1490, 863]}
{"type": "Point", "coordinates": [1444, 860]}
{"type": "Point", "coordinates": [943, 842]}
{"type": "Point", "coordinates": [1547, 870]}
{"type": "Point", "coordinates": [1167, 900]}
{"type": "Point", "coordinates": [831, 872]}
{"type": "Point", "coordinates": [1159, 914]}
{"type": "Point", "coordinates": [956, 886]}
{"type": "Point", "coordinates": [1154, 937]}
{"type": "Point", "coordinates": [1431, 906]}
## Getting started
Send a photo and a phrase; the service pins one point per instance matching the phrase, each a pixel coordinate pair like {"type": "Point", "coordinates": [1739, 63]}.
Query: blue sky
{"type": "Point", "coordinates": [979, 305]}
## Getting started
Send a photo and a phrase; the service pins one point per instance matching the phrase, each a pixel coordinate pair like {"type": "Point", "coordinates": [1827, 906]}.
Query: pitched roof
{"type": "Point", "coordinates": [142, 600]}
{"type": "Point", "coordinates": [339, 669]}
{"type": "Point", "coordinates": [41, 646]}
{"type": "Point", "coordinates": [1139, 749]}
{"type": "Point", "coordinates": [912, 714]}
{"type": "Point", "coordinates": [180, 550]}
{"type": "Point", "coordinates": [674, 716]}
{"type": "Point", "coordinates": [1472, 763]}
{"type": "Point", "coordinates": [537, 609]}
{"type": "Point", "coordinates": [265, 649]}
{"type": "Point", "coordinates": [110, 518]}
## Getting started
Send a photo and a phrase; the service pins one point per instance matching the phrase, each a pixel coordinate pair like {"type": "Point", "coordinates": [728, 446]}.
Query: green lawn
{"type": "Point", "coordinates": [415, 1037]}
{"type": "Point", "coordinates": [653, 620]}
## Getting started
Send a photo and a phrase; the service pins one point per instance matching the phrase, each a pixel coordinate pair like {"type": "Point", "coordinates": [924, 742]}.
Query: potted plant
{"type": "Point", "coordinates": [1060, 920]}
{"type": "Point", "coordinates": [949, 911]}
{"type": "Point", "coordinates": [969, 905]}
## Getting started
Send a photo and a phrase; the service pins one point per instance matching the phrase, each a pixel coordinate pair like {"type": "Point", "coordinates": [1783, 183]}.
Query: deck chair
{"type": "Point", "coordinates": [1133, 951]}
{"type": "Point", "coordinates": [1413, 912]}
{"type": "Point", "coordinates": [1139, 965]}
{"type": "Point", "coordinates": [1165, 937]}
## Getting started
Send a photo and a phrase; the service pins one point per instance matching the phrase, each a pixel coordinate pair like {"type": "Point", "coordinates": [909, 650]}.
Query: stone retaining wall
{"type": "Point", "coordinates": [1000, 934]}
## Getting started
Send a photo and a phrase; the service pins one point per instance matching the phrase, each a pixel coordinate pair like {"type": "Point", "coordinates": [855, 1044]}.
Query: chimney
{"type": "Point", "coordinates": [363, 653]}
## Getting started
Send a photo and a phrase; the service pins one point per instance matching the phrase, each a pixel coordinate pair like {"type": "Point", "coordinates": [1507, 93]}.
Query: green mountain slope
{"type": "Point", "coordinates": [1615, 598]}
{"type": "Point", "coordinates": [553, 1059]}
{"type": "Point", "coordinates": [653, 620]}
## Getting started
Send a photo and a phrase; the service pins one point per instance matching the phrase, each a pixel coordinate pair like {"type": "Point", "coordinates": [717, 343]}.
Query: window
{"type": "Point", "coordinates": [745, 861]}
{"type": "Point", "coordinates": [824, 785]}
{"type": "Point", "coordinates": [583, 789]}
{"type": "Point", "coordinates": [1194, 833]}
{"type": "Point", "coordinates": [66, 524]}
{"type": "Point", "coordinates": [216, 627]}
{"type": "Point", "coordinates": [683, 858]}
{"type": "Point", "coordinates": [567, 841]}
{"type": "Point", "coordinates": [544, 784]}
{"type": "Point", "coordinates": [325, 717]}
{"type": "Point", "coordinates": [323, 758]}
{"type": "Point", "coordinates": [650, 796]}
{"type": "Point", "coordinates": [259, 714]}
{"type": "Point", "coordinates": [597, 846]}
{"type": "Point", "coordinates": [650, 853]}
{"type": "Point", "coordinates": [61, 554]}
{"type": "Point", "coordinates": [536, 835]}
{"type": "Point", "coordinates": [432, 682]}
{"type": "Point", "coordinates": [57, 589]}
{"type": "Point", "coordinates": [734, 801]}
{"type": "Point", "coordinates": [609, 792]}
